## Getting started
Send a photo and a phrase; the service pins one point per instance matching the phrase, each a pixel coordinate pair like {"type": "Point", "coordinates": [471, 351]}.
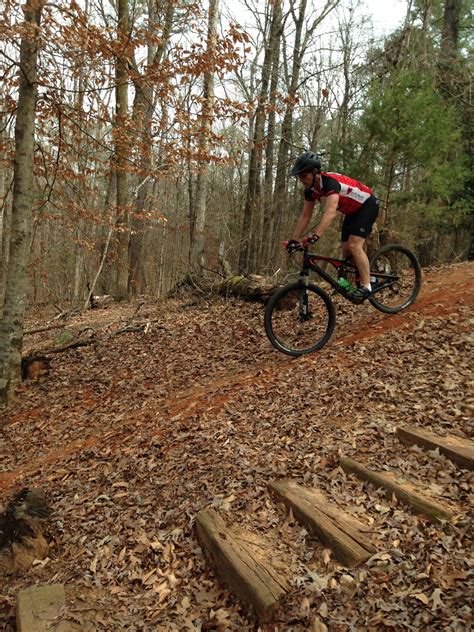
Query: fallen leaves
{"type": "Point", "coordinates": [198, 413]}
{"type": "Point", "coordinates": [421, 597]}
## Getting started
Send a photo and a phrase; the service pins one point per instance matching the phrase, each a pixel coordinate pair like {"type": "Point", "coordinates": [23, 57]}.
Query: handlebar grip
{"type": "Point", "coordinates": [312, 239]}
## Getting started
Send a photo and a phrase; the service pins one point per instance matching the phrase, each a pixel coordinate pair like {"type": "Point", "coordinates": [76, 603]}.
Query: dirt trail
{"type": "Point", "coordinates": [132, 436]}
{"type": "Point", "coordinates": [442, 294]}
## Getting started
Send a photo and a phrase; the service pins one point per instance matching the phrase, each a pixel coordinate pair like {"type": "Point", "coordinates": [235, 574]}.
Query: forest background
{"type": "Point", "coordinates": [162, 132]}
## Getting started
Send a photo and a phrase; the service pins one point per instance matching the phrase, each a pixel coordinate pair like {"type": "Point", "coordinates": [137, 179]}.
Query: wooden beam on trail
{"type": "Point", "coordinates": [43, 609]}
{"type": "Point", "coordinates": [338, 530]}
{"type": "Point", "coordinates": [252, 578]}
{"type": "Point", "coordinates": [403, 491]}
{"type": "Point", "coordinates": [456, 449]}
{"type": "Point", "coordinates": [39, 608]}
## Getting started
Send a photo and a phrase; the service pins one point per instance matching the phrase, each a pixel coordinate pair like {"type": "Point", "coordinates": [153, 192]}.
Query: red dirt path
{"type": "Point", "coordinates": [131, 436]}
{"type": "Point", "coordinates": [442, 294]}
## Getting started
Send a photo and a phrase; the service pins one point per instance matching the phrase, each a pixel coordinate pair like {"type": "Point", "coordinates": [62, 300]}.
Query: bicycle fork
{"type": "Point", "coordinates": [304, 312]}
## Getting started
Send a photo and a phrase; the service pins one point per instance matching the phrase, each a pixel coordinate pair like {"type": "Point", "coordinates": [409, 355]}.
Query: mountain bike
{"type": "Point", "coordinates": [300, 317]}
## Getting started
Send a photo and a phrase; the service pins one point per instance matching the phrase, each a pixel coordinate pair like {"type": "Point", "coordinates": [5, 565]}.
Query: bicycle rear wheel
{"type": "Point", "coordinates": [299, 319]}
{"type": "Point", "coordinates": [398, 278]}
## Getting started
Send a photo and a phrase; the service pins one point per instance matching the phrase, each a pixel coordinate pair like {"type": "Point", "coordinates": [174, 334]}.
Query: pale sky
{"type": "Point", "coordinates": [386, 14]}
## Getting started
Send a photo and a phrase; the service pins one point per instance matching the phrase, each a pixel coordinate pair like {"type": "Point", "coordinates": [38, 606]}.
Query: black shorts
{"type": "Point", "coordinates": [360, 223]}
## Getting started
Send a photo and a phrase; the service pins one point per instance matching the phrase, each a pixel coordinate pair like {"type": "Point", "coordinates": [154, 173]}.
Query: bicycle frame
{"type": "Point", "coordinates": [300, 301]}
{"type": "Point", "coordinates": [310, 265]}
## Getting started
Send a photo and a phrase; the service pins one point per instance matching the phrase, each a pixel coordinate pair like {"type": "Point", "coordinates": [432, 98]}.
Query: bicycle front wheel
{"type": "Point", "coordinates": [299, 319]}
{"type": "Point", "coordinates": [398, 278]}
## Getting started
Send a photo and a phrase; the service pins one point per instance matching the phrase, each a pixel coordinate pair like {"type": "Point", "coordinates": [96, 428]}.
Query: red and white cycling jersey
{"type": "Point", "coordinates": [352, 193]}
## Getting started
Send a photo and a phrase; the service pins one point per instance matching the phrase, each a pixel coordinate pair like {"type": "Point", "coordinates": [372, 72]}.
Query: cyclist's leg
{"type": "Point", "coordinates": [345, 233]}
{"type": "Point", "coordinates": [360, 228]}
{"type": "Point", "coordinates": [357, 250]}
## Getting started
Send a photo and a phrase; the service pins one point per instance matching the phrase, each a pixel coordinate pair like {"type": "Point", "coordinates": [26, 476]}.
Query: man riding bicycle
{"type": "Point", "coordinates": [337, 192]}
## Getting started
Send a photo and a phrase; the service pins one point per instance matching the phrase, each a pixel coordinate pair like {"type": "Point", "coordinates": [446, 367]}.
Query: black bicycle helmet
{"type": "Point", "coordinates": [306, 162]}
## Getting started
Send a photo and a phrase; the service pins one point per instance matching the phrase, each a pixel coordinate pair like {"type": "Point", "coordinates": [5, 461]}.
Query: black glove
{"type": "Point", "coordinates": [292, 246]}
{"type": "Point", "coordinates": [312, 239]}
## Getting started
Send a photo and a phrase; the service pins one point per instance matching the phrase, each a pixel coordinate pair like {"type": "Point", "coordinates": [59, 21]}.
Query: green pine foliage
{"type": "Point", "coordinates": [415, 132]}
{"type": "Point", "coordinates": [409, 143]}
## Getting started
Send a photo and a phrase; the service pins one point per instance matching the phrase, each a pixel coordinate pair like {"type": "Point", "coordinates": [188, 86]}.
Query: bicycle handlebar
{"type": "Point", "coordinates": [301, 247]}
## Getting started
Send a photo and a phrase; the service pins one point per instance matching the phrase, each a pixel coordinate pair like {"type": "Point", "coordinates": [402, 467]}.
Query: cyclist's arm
{"type": "Point", "coordinates": [304, 219]}
{"type": "Point", "coordinates": [329, 213]}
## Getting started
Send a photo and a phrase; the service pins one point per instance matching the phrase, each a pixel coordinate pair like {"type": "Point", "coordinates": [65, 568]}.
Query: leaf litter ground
{"type": "Point", "coordinates": [131, 436]}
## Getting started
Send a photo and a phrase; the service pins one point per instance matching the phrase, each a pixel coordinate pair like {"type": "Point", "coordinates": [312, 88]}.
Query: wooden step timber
{"type": "Point", "coordinates": [253, 580]}
{"type": "Point", "coordinates": [43, 609]}
{"type": "Point", "coordinates": [39, 607]}
{"type": "Point", "coordinates": [457, 450]}
{"type": "Point", "coordinates": [338, 530]}
{"type": "Point", "coordinates": [403, 491]}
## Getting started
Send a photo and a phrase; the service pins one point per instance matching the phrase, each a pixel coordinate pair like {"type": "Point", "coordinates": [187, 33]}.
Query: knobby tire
{"type": "Point", "coordinates": [388, 254]}
{"type": "Point", "coordinates": [324, 312]}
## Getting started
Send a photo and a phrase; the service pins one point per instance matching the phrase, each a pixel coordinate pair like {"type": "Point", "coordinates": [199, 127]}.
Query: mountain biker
{"type": "Point", "coordinates": [337, 192]}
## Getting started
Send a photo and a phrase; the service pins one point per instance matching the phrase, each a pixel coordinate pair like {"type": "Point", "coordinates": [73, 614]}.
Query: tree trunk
{"type": "Point", "coordinates": [450, 33]}
{"type": "Point", "coordinates": [449, 72]}
{"type": "Point", "coordinates": [383, 218]}
{"type": "Point", "coordinates": [4, 206]}
{"type": "Point", "coordinates": [121, 151]}
{"type": "Point", "coordinates": [79, 259]}
{"type": "Point", "coordinates": [286, 141]}
{"type": "Point", "coordinates": [142, 115]}
{"type": "Point", "coordinates": [11, 326]}
{"type": "Point", "coordinates": [343, 118]}
{"type": "Point", "coordinates": [197, 238]}
{"type": "Point", "coordinates": [250, 227]}
{"type": "Point", "coordinates": [265, 244]}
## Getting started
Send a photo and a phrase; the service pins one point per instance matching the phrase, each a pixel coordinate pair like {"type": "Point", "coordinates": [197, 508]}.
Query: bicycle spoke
{"type": "Point", "coordinates": [300, 321]}
{"type": "Point", "coordinates": [398, 278]}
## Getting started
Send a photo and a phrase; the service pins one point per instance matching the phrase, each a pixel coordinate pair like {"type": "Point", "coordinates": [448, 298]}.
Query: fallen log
{"type": "Point", "coordinates": [254, 580]}
{"type": "Point", "coordinates": [250, 288]}
{"type": "Point", "coordinates": [403, 491]}
{"type": "Point", "coordinates": [90, 338]}
{"type": "Point", "coordinates": [457, 450]}
{"type": "Point", "coordinates": [338, 530]}
{"type": "Point", "coordinates": [39, 330]}
{"type": "Point", "coordinates": [74, 344]}
{"type": "Point", "coordinates": [37, 364]}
